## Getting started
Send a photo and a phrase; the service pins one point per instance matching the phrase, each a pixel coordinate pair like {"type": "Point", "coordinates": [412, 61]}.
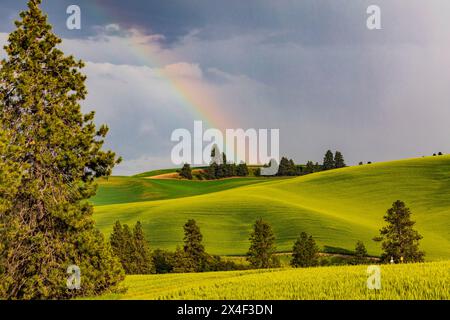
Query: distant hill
{"type": "Point", "coordinates": [337, 207]}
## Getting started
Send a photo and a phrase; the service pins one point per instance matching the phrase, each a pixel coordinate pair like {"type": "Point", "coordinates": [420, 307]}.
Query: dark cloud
{"type": "Point", "coordinates": [310, 68]}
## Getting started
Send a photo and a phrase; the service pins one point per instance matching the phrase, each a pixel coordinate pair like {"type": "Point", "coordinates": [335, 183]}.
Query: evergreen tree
{"type": "Point", "coordinates": [286, 167]}
{"type": "Point", "coordinates": [10, 179]}
{"type": "Point", "coordinates": [262, 246]}
{"type": "Point", "coordinates": [399, 240]}
{"type": "Point", "coordinates": [182, 263]}
{"type": "Point", "coordinates": [117, 241]}
{"type": "Point", "coordinates": [233, 170]}
{"type": "Point", "coordinates": [193, 247]}
{"type": "Point", "coordinates": [328, 161]}
{"type": "Point", "coordinates": [186, 171]}
{"type": "Point", "coordinates": [128, 253]}
{"type": "Point", "coordinates": [48, 226]}
{"type": "Point", "coordinates": [309, 168]}
{"type": "Point", "coordinates": [339, 160]}
{"type": "Point", "coordinates": [242, 170]}
{"type": "Point", "coordinates": [317, 167]}
{"type": "Point", "coordinates": [304, 252]}
{"type": "Point", "coordinates": [360, 252]}
{"type": "Point", "coordinates": [142, 256]}
{"type": "Point", "coordinates": [211, 171]}
{"type": "Point", "coordinates": [162, 261]}
{"type": "Point", "coordinates": [131, 248]}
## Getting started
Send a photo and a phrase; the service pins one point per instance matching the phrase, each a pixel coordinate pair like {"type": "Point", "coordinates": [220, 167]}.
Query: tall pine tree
{"type": "Point", "coordinates": [360, 253]}
{"type": "Point", "coordinates": [262, 247]}
{"type": "Point", "coordinates": [339, 160]}
{"type": "Point", "coordinates": [328, 161]}
{"type": "Point", "coordinates": [193, 247]}
{"type": "Point", "coordinates": [399, 240]}
{"type": "Point", "coordinates": [304, 252]}
{"type": "Point", "coordinates": [143, 259]}
{"type": "Point", "coordinates": [48, 225]}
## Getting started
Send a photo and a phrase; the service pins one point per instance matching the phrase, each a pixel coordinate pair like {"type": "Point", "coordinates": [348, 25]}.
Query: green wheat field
{"type": "Point", "coordinates": [337, 207]}
{"type": "Point", "coordinates": [408, 281]}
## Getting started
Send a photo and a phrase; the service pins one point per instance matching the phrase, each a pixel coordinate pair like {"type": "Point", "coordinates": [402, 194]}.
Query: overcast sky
{"type": "Point", "coordinates": [310, 68]}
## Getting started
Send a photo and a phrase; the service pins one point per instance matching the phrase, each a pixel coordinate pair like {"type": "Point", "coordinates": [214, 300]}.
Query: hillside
{"type": "Point", "coordinates": [116, 190]}
{"type": "Point", "coordinates": [337, 207]}
{"type": "Point", "coordinates": [412, 281]}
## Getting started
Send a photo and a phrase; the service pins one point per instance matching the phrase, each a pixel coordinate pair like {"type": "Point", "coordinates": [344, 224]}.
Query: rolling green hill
{"type": "Point", "coordinates": [337, 207]}
{"type": "Point", "coordinates": [135, 189]}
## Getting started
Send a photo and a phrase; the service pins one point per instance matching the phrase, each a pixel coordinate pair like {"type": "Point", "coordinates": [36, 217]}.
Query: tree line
{"type": "Point", "coordinates": [400, 243]}
{"type": "Point", "coordinates": [133, 251]}
{"type": "Point", "coordinates": [287, 167]}
{"type": "Point", "coordinates": [215, 171]}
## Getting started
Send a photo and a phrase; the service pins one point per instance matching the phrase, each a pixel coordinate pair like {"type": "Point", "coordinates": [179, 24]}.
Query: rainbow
{"type": "Point", "coordinates": [199, 102]}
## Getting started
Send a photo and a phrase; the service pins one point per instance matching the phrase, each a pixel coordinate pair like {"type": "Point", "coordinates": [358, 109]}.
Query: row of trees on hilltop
{"type": "Point", "coordinates": [216, 171]}
{"type": "Point", "coordinates": [286, 168]}
{"type": "Point", "coordinates": [333, 162]}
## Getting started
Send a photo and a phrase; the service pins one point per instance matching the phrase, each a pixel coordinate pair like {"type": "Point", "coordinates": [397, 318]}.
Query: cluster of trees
{"type": "Point", "coordinates": [331, 161]}
{"type": "Point", "coordinates": [438, 154]}
{"type": "Point", "coordinates": [186, 171]}
{"type": "Point", "coordinates": [286, 167]}
{"type": "Point", "coordinates": [305, 252]}
{"type": "Point", "coordinates": [50, 154]}
{"type": "Point", "coordinates": [131, 248]}
{"type": "Point", "coordinates": [225, 170]}
{"type": "Point", "coordinates": [400, 243]}
{"type": "Point", "coordinates": [133, 251]}
{"type": "Point", "coordinates": [216, 171]}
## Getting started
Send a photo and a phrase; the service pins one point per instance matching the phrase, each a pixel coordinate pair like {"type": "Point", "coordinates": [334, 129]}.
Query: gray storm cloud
{"type": "Point", "coordinates": [309, 68]}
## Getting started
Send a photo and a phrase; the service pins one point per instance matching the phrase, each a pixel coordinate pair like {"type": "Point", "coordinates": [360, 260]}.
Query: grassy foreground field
{"type": "Point", "coordinates": [412, 281]}
{"type": "Point", "coordinates": [337, 207]}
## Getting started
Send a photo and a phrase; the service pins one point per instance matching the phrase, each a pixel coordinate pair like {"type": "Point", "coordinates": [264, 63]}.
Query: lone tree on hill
{"type": "Point", "coordinates": [262, 247]}
{"type": "Point", "coordinates": [360, 252]}
{"type": "Point", "coordinates": [339, 160]}
{"type": "Point", "coordinates": [193, 248]}
{"type": "Point", "coordinates": [328, 161]}
{"type": "Point", "coordinates": [143, 258]}
{"type": "Point", "coordinates": [47, 225]}
{"type": "Point", "coordinates": [399, 240]}
{"type": "Point", "coordinates": [186, 171]}
{"type": "Point", "coordinates": [304, 252]}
